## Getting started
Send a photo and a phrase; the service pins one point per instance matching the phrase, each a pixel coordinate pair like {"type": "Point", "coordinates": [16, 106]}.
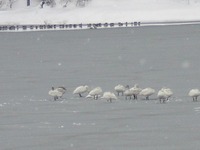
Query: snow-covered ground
{"type": "Point", "coordinates": [102, 11]}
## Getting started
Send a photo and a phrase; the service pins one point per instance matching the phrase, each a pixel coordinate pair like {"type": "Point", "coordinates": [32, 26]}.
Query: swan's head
{"type": "Point", "coordinates": [52, 88]}
{"type": "Point", "coordinates": [136, 85]}
{"type": "Point", "coordinates": [62, 87]}
{"type": "Point", "coordinates": [87, 87]}
{"type": "Point", "coordinates": [127, 86]}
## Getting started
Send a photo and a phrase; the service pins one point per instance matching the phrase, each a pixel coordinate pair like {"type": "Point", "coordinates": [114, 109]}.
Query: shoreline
{"type": "Point", "coordinates": [81, 26]}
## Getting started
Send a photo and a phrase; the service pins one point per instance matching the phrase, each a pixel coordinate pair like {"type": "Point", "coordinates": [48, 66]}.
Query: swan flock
{"type": "Point", "coordinates": [119, 90]}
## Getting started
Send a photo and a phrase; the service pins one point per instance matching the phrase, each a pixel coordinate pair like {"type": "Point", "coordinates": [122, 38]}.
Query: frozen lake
{"type": "Point", "coordinates": [32, 62]}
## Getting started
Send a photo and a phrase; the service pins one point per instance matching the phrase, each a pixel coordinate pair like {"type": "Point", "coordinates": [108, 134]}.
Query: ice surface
{"type": "Point", "coordinates": [150, 56]}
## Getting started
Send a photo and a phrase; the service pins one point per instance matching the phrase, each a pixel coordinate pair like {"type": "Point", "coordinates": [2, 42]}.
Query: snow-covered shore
{"type": "Point", "coordinates": [103, 11]}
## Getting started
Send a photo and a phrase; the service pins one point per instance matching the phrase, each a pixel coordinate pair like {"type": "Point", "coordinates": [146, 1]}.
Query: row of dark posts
{"type": "Point", "coordinates": [68, 26]}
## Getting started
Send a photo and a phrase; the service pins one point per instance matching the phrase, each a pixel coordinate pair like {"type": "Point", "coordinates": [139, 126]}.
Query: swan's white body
{"type": "Point", "coordinates": [194, 93]}
{"type": "Point", "coordinates": [136, 90]}
{"type": "Point", "coordinates": [120, 89]}
{"type": "Point", "coordinates": [95, 92]}
{"type": "Point", "coordinates": [109, 96]}
{"type": "Point", "coordinates": [80, 90]}
{"type": "Point", "coordinates": [57, 92]}
{"type": "Point", "coordinates": [162, 96]}
{"type": "Point", "coordinates": [147, 92]}
{"type": "Point", "coordinates": [168, 92]}
{"type": "Point", "coordinates": [128, 93]}
{"type": "Point", "coordinates": [61, 89]}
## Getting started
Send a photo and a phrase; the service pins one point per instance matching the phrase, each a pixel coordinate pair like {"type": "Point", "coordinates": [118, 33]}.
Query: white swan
{"type": "Point", "coordinates": [80, 90]}
{"type": "Point", "coordinates": [168, 92]}
{"type": "Point", "coordinates": [147, 92]}
{"type": "Point", "coordinates": [135, 90]}
{"type": "Point", "coordinates": [61, 89]}
{"type": "Point", "coordinates": [57, 92]}
{"type": "Point", "coordinates": [128, 93]}
{"type": "Point", "coordinates": [109, 96]}
{"type": "Point", "coordinates": [95, 93]}
{"type": "Point", "coordinates": [120, 89]}
{"type": "Point", "coordinates": [162, 96]}
{"type": "Point", "coordinates": [194, 93]}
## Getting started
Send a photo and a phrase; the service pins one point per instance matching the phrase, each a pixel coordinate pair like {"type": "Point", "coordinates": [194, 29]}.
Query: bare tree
{"type": "Point", "coordinates": [7, 3]}
{"type": "Point", "coordinates": [78, 3]}
{"type": "Point", "coordinates": [1, 3]}
{"type": "Point", "coordinates": [28, 2]}
{"type": "Point", "coordinates": [81, 3]}
{"type": "Point", "coordinates": [50, 3]}
{"type": "Point", "coordinates": [66, 3]}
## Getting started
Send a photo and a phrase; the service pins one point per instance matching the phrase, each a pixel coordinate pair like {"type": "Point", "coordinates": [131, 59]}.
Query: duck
{"type": "Point", "coordinates": [81, 90]}
{"type": "Point", "coordinates": [95, 93]}
{"type": "Point", "coordinates": [57, 92]}
{"type": "Point", "coordinates": [120, 89]}
{"type": "Point", "coordinates": [194, 93]}
{"type": "Point", "coordinates": [136, 91]}
{"type": "Point", "coordinates": [109, 96]}
{"type": "Point", "coordinates": [147, 92]}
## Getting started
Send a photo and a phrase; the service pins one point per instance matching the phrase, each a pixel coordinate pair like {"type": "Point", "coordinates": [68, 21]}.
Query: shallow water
{"type": "Point", "coordinates": [32, 62]}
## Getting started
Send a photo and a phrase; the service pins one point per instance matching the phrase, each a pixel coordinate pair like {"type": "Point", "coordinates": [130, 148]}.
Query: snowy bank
{"type": "Point", "coordinates": [103, 11]}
